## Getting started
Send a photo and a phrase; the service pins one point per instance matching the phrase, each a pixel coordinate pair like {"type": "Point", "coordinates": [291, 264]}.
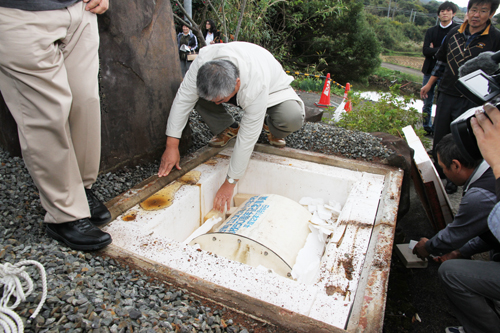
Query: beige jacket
{"type": "Point", "coordinates": [264, 84]}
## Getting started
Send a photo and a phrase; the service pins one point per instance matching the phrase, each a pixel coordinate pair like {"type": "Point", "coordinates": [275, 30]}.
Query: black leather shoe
{"type": "Point", "coordinates": [79, 235]}
{"type": "Point", "coordinates": [450, 187]}
{"type": "Point", "coordinates": [99, 214]}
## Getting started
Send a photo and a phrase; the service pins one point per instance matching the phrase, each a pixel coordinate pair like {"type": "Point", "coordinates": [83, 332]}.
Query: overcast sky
{"type": "Point", "coordinates": [460, 3]}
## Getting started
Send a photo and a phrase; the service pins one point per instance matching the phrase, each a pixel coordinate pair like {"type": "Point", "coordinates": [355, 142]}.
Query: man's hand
{"type": "Point", "coordinates": [224, 196]}
{"type": "Point", "coordinates": [424, 90]}
{"type": "Point", "coordinates": [97, 6]}
{"type": "Point", "coordinates": [420, 250]}
{"type": "Point", "coordinates": [452, 255]}
{"type": "Point", "coordinates": [488, 136]}
{"type": "Point", "coordinates": [431, 45]}
{"type": "Point", "coordinates": [170, 158]}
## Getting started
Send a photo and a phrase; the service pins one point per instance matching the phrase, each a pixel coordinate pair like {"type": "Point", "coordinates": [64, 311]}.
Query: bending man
{"type": "Point", "coordinates": [245, 75]}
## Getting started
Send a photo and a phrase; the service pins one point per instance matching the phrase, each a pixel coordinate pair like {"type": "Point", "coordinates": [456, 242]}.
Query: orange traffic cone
{"type": "Point", "coordinates": [348, 104]}
{"type": "Point", "coordinates": [324, 101]}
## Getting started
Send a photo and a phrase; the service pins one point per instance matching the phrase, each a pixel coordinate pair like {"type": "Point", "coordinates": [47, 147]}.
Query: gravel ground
{"type": "Point", "coordinates": [87, 292]}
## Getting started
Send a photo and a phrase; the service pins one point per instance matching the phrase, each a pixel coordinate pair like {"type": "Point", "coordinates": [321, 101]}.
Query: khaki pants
{"type": "Point", "coordinates": [48, 78]}
{"type": "Point", "coordinates": [283, 119]}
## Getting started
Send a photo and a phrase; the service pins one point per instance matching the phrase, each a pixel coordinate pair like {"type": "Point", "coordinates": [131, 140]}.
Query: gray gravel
{"type": "Point", "coordinates": [90, 293]}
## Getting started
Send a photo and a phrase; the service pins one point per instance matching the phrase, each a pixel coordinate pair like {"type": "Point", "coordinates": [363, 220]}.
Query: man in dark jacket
{"type": "Point", "coordinates": [461, 238]}
{"type": "Point", "coordinates": [472, 286]}
{"type": "Point", "coordinates": [433, 40]}
{"type": "Point", "coordinates": [462, 43]}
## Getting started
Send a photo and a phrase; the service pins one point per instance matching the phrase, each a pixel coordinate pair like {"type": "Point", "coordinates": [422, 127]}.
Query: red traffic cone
{"type": "Point", "coordinates": [324, 101]}
{"type": "Point", "coordinates": [348, 104]}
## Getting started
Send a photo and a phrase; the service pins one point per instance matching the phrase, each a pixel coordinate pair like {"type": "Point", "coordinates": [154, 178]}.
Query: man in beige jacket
{"type": "Point", "coordinates": [245, 75]}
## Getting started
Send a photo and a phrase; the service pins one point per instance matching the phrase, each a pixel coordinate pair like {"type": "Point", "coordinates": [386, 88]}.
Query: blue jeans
{"type": "Point", "coordinates": [427, 109]}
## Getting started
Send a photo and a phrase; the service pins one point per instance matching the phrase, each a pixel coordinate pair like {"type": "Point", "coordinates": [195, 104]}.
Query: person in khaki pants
{"type": "Point", "coordinates": [48, 78]}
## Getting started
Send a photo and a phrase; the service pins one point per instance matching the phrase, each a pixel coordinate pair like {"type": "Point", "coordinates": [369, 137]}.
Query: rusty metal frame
{"type": "Point", "coordinates": [367, 313]}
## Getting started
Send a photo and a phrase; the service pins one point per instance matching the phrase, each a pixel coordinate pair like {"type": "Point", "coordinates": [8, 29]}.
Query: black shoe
{"type": "Point", "coordinates": [99, 214]}
{"type": "Point", "coordinates": [450, 187]}
{"type": "Point", "coordinates": [79, 235]}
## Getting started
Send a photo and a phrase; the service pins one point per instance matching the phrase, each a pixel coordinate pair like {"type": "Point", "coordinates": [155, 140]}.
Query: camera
{"type": "Point", "coordinates": [480, 88]}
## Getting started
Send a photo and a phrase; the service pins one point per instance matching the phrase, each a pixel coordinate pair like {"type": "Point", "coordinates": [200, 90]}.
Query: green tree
{"type": "Point", "coordinates": [344, 41]}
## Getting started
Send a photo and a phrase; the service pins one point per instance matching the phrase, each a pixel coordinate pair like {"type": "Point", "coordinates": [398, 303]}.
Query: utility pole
{"type": "Point", "coordinates": [189, 9]}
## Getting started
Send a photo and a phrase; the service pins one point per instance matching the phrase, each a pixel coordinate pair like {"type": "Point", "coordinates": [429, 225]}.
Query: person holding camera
{"type": "Point", "coordinates": [474, 36]}
{"type": "Point", "coordinates": [473, 286]}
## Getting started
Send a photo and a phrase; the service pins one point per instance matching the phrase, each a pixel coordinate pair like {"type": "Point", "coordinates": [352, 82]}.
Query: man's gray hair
{"type": "Point", "coordinates": [217, 79]}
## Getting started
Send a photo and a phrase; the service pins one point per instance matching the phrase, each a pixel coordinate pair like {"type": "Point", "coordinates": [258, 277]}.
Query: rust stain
{"type": "Point", "coordinates": [130, 216]}
{"type": "Point", "coordinates": [190, 178]}
{"type": "Point", "coordinates": [348, 268]}
{"type": "Point", "coordinates": [165, 197]}
{"type": "Point", "coordinates": [331, 290]}
{"type": "Point", "coordinates": [225, 157]}
{"type": "Point", "coordinates": [357, 224]}
{"type": "Point", "coordinates": [211, 162]}
{"type": "Point", "coordinates": [213, 213]}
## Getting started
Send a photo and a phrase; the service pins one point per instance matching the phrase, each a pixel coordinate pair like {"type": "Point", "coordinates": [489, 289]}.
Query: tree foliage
{"type": "Point", "coordinates": [343, 46]}
{"type": "Point", "coordinates": [330, 36]}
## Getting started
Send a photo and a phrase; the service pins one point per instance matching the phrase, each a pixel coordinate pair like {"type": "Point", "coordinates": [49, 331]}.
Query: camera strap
{"type": "Point", "coordinates": [481, 169]}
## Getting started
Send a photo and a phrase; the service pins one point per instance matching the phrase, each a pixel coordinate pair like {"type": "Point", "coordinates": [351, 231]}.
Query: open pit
{"type": "Point", "coordinates": [153, 224]}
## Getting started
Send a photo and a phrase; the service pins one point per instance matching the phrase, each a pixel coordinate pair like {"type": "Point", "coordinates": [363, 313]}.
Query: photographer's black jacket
{"type": "Point", "coordinates": [454, 53]}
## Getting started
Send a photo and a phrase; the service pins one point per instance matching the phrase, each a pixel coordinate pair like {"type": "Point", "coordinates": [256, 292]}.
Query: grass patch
{"type": "Point", "coordinates": [313, 84]}
{"type": "Point", "coordinates": [390, 114]}
{"type": "Point", "coordinates": [392, 75]}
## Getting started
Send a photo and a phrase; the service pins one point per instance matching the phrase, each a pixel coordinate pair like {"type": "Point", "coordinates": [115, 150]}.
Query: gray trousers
{"type": "Point", "coordinates": [185, 66]}
{"type": "Point", "coordinates": [283, 119]}
{"type": "Point", "coordinates": [472, 286]}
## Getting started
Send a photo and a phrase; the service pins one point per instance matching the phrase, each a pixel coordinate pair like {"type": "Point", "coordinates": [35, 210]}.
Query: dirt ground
{"type": "Point", "coordinates": [417, 291]}
{"type": "Point", "coordinates": [412, 62]}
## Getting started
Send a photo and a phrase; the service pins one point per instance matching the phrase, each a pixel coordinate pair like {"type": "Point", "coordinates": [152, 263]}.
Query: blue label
{"type": "Point", "coordinates": [253, 209]}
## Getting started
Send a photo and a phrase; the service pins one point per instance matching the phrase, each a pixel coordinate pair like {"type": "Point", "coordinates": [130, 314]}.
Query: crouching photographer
{"type": "Point", "coordinates": [473, 286]}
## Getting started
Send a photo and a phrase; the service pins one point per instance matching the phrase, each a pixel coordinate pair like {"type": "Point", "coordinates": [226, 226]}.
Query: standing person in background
{"type": "Point", "coordinates": [212, 36]}
{"type": "Point", "coordinates": [49, 64]}
{"type": "Point", "coordinates": [433, 39]}
{"type": "Point", "coordinates": [186, 42]}
{"type": "Point", "coordinates": [473, 37]}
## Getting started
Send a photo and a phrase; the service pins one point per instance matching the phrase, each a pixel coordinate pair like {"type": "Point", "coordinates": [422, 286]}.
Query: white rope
{"type": "Point", "coordinates": [10, 278]}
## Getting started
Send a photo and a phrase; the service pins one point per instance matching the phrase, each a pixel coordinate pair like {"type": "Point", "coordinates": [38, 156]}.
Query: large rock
{"type": "Point", "coordinates": [313, 115]}
{"type": "Point", "coordinates": [140, 74]}
{"type": "Point", "coordinates": [402, 158]}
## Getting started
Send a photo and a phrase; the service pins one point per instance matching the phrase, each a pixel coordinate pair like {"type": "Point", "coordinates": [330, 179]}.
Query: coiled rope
{"type": "Point", "coordinates": [10, 278]}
